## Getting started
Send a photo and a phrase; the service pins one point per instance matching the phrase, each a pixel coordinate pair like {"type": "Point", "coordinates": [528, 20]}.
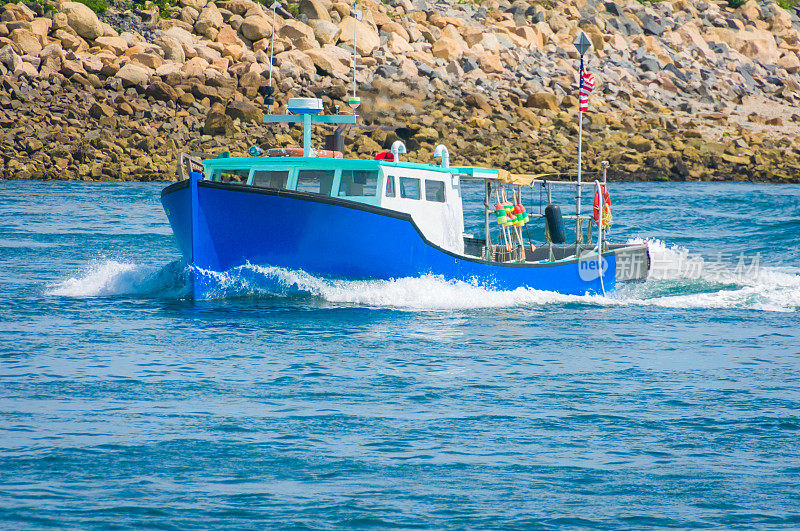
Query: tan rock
{"type": "Point", "coordinates": [70, 41]}
{"type": "Point", "coordinates": [640, 144]}
{"type": "Point", "coordinates": [692, 36]}
{"type": "Point", "coordinates": [446, 49]}
{"type": "Point", "coordinates": [210, 18]}
{"type": "Point", "coordinates": [196, 4]}
{"type": "Point", "coordinates": [397, 45]}
{"type": "Point", "coordinates": [367, 40]}
{"type": "Point", "coordinates": [29, 70]}
{"type": "Point", "coordinates": [60, 21]}
{"type": "Point", "coordinates": [41, 26]}
{"type": "Point", "coordinates": [189, 15]}
{"type": "Point", "coordinates": [298, 59]}
{"type": "Point", "coordinates": [327, 61]}
{"type": "Point", "coordinates": [148, 60]}
{"type": "Point", "coordinates": [173, 50]}
{"type": "Point", "coordinates": [753, 43]}
{"type": "Point", "coordinates": [314, 9]}
{"type": "Point", "coordinates": [325, 31]}
{"type": "Point", "coordinates": [491, 64]}
{"type": "Point", "coordinates": [168, 69]}
{"type": "Point", "coordinates": [533, 37]}
{"type": "Point", "coordinates": [26, 41]}
{"type": "Point", "coordinates": [17, 12]}
{"type": "Point", "coordinates": [195, 67]}
{"type": "Point", "coordinates": [134, 75]}
{"type": "Point", "coordinates": [751, 11]}
{"type": "Point", "coordinates": [398, 29]}
{"type": "Point", "coordinates": [256, 27]}
{"type": "Point", "coordinates": [117, 45]}
{"type": "Point", "coordinates": [472, 35]}
{"type": "Point", "coordinates": [790, 62]}
{"type": "Point", "coordinates": [83, 20]}
{"type": "Point", "coordinates": [543, 100]}
{"type": "Point", "coordinates": [295, 30]}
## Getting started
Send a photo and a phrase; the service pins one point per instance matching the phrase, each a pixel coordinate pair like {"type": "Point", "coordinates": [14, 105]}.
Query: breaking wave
{"type": "Point", "coordinates": [678, 279]}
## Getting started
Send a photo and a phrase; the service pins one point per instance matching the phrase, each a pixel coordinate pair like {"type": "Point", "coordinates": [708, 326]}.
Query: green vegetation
{"type": "Point", "coordinates": [736, 3]}
{"type": "Point", "coordinates": [165, 7]}
{"type": "Point", "coordinates": [98, 6]}
{"type": "Point", "coordinates": [788, 4]}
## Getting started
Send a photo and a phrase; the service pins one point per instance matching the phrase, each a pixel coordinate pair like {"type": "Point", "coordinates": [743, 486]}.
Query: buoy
{"type": "Point", "coordinates": [555, 224]}
{"type": "Point", "coordinates": [607, 218]}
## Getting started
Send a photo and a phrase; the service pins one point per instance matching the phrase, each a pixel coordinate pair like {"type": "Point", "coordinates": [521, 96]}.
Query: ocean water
{"type": "Point", "coordinates": [295, 402]}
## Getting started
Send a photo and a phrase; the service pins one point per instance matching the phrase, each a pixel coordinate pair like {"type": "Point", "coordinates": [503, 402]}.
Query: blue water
{"type": "Point", "coordinates": [297, 402]}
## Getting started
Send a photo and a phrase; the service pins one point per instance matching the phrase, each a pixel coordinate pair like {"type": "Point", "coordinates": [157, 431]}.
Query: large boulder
{"type": "Point", "coordinates": [41, 27]}
{"type": "Point", "coordinates": [173, 50]}
{"type": "Point", "coordinates": [195, 67]}
{"type": "Point", "coordinates": [17, 12]}
{"type": "Point", "coordinates": [301, 35]}
{"type": "Point", "coordinates": [314, 10]}
{"type": "Point", "coordinates": [543, 100]}
{"type": "Point", "coordinates": [256, 27]}
{"type": "Point", "coordinates": [83, 20]}
{"type": "Point", "coordinates": [244, 111]}
{"type": "Point", "coordinates": [209, 19]}
{"type": "Point", "coordinates": [134, 75]}
{"type": "Point", "coordinates": [116, 45]}
{"type": "Point", "coordinates": [328, 60]}
{"type": "Point", "coordinates": [447, 49]}
{"type": "Point", "coordinates": [790, 62]}
{"type": "Point", "coordinates": [298, 59]}
{"type": "Point", "coordinates": [367, 40]}
{"type": "Point", "coordinates": [218, 123]}
{"type": "Point", "coordinates": [640, 144]}
{"type": "Point", "coordinates": [195, 4]}
{"type": "Point", "coordinates": [161, 91]}
{"type": "Point", "coordinates": [10, 59]}
{"type": "Point", "coordinates": [26, 41]}
{"type": "Point", "coordinates": [325, 31]}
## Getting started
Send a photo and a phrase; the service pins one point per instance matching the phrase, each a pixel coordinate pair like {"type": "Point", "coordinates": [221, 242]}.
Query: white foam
{"type": "Point", "coordinates": [671, 285]}
{"type": "Point", "coordinates": [107, 278]}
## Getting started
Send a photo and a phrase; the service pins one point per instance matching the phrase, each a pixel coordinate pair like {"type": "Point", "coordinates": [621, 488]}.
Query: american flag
{"type": "Point", "coordinates": [587, 85]}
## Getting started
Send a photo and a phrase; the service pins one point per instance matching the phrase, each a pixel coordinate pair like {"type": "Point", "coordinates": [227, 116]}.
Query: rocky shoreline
{"type": "Point", "coordinates": [686, 91]}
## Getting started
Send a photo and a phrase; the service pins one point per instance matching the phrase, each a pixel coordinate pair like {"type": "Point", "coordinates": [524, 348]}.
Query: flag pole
{"type": "Point", "coordinates": [578, 227]}
{"type": "Point", "coordinates": [582, 45]}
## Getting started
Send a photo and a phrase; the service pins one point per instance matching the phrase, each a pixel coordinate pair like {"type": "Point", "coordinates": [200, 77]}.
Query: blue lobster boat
{"type": "Point", "coordinates": [377, 219]}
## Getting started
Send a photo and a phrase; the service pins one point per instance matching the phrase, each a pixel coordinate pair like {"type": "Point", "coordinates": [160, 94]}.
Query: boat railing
{"type": "Point", "coordinates": [189, 161]}
{"type": "Point", "coordinates": [500, 179]}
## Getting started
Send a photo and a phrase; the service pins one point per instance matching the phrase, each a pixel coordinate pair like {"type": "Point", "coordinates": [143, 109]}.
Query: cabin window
{"type": "Point", "coordinates": [315, 181]}
{"type": "Point", "coordinates": [434, 191]}
{"type": "Point", "coordinates": [409, 188]}
{"type": "Point", "coordinates": [234, 176]}
{"type": "Point", "coordinates": [390, 186]}
{"type": "Point", "coordinates": [356, 183]}
{"type": "Point", "coordinates": [271, 179]}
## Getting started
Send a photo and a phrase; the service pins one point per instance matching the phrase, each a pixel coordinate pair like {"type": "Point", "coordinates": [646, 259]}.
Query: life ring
{"type": "Point", "coordinates": [607, 218]}
{"type": "Point", "coordinates": [298, 152]}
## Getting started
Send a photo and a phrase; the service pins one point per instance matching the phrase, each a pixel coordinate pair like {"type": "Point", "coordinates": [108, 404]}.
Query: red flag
{"type": "Point", "coordinates": [587, 85]}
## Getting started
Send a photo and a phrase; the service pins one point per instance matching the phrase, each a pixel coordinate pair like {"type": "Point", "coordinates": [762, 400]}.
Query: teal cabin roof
{"type": "Point", "coordinates": [313, 163]}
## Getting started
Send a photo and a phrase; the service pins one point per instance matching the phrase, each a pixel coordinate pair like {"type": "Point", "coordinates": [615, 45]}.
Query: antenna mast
{"type": "Point", "coordinates": [274, 8]}
{"type": "Point", "coordinates": [355, 101]}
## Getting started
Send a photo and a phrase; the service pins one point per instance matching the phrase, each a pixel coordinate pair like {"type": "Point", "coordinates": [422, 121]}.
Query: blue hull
{"type": "Point", "coordinates": [219, 226]}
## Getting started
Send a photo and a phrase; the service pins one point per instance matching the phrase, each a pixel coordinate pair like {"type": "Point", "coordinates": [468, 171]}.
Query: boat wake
{"type": "Point", "coordinates": [677, 279]}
